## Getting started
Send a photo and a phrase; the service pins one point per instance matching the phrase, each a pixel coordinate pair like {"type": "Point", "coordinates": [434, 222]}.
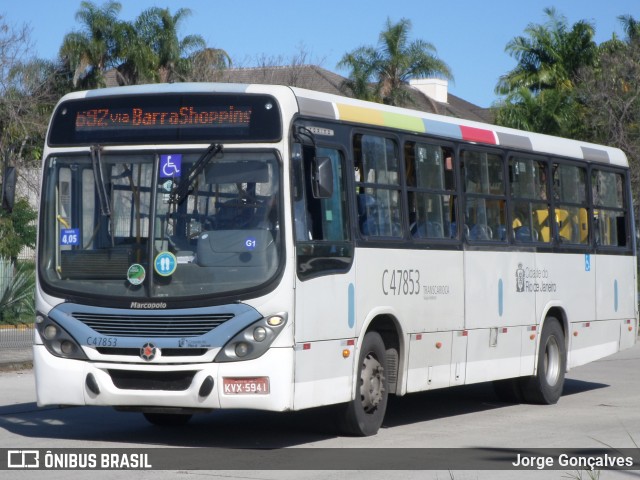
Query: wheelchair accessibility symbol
{"type": "Point", "coordinates": [170, 165]}
{"type": "Point", "coordinates": [165, 264]}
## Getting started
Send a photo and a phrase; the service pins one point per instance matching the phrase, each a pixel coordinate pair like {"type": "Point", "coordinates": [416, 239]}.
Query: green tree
{"type": "Point", "coordinates": [17, 230]}
{"type": "Point", "coordinates": [542, 83]}
{"type": "Point", "coordinates": [611, 92]}
{"type": "Point", "coordinates": [159, 29]}
{"type": "Point", "coordinates": [93, 50]}
{"type": "Point", "coordinates": [359, 83]}
{"type": "Point", "coordinates": [138, 61]}
{"type": "Point", "coordinates": [389, 67]}
{"type": "Point", "coordinates": [207, 65]}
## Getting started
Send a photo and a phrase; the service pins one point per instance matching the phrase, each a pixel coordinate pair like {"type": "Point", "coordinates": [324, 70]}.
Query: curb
{"type": "Point", "coordinates": [15, 366]}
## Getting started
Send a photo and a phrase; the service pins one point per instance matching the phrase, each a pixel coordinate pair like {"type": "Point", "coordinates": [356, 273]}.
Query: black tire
{"type": "Point", "coordinates": [167, 419]}
{"type": "Point", "coordinates": [546, 386]}
{"type": "Point", "coordinates": [363, 415]}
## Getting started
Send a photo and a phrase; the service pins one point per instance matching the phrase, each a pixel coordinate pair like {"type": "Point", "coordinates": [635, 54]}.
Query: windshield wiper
{"type": "Point", "coordinates": [96, 160]}
{"type": "Point", "coordinates": [182, 189]}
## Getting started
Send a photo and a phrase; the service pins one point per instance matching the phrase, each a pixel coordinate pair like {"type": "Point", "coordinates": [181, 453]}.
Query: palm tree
{"type": "Point", "coordinates": [159, 29]}
{"type": "Point", "coordinates": [207, 65]}
{"type": "Point", "coordinates": [539, 92]}
{"type": "Point", "coordinates": [631, 27]}
{"type": "Point", "coordinates": [392, 64]}
{"type": "Point", "coordinates": [551, 55]}
{"type": "Point", "coordinates": [359, 81]}
{"type": "Point", "coordinates": [139, 62]}
{"type": "Point", "coordinates": [90, 52]}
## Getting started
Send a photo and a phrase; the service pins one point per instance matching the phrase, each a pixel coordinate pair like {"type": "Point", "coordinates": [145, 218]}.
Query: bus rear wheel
{"type": "Point", "coordinates": [363, 415]}
{"type": "Point", "coordinates": [546, 386]}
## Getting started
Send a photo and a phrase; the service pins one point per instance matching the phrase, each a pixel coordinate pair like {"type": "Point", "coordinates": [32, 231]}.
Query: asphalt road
{"type": "Point", "coordinates": [599, 408]}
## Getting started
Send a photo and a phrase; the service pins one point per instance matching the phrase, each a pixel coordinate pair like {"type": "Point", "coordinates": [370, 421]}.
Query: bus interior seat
{"type": "Point", "coordinates": [368, 215]}
{"type": "Point", "coordinates": [525, 234]}
{"type": "Point", "coordinates": [480, 231]}
{"type": "Point", "coordinates": [428, 230]}
{"type": "Point", "coordinates": [375, 221]}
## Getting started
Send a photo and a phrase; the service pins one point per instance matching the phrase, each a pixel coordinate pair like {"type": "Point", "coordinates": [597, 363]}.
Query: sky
{"type": "Point", "coordinates": [469, 35]}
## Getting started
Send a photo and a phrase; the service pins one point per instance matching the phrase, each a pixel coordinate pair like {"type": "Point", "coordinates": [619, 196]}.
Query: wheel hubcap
{"type": "Point", "coordinates": [372, 385]}
{"type": "Point", "coordinates": [552, 361]}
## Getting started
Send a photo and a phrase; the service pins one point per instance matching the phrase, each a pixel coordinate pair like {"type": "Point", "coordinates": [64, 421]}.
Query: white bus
{"type": "Point", "coordinates": [215, 246]}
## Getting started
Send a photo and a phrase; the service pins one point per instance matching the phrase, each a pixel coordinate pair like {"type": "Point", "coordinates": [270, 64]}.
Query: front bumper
{"type": "Point", "coordinates": [64, 382]}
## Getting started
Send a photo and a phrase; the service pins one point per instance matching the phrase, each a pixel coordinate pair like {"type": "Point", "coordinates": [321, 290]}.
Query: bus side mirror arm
{"type": "Point", "coordinates": [8, 189]}
{"type": "Point", "coordinates": [322, 177]}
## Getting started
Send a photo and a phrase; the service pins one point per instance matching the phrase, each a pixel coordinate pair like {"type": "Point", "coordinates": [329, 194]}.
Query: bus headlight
{"type": "Point", "coordinates": [253, 341]}
{"type": "Point", "coordinates": [259, 334]}
{"type": "Point", "coordinates": [56, 340]}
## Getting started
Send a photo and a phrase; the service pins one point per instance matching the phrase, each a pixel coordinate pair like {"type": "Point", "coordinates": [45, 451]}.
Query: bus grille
{"type": "Point", "coordinates": [134, 380]}
{"type": "Point", "coordinates": [152, 325]}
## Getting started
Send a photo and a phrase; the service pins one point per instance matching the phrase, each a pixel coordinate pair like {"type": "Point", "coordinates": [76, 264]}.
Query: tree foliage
{"type": "Point", "coordinates": [539, 93]}
{"type": "Point", "coordinates": [611, 93]}
{"type": "Point", "coordinates": [565, 84]}
{"type": "Point", "coordinates": [147, 50]}
{"type": "Point", "coordinates": [17, 230]}
{"type": "Point", "coordinates": [381, 74]}
{"type": "Point", "coordinates": [92, 50]}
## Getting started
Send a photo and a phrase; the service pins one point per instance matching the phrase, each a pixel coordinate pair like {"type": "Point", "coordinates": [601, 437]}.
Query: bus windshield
{"type": "Point", "coordinates": [112, 228]}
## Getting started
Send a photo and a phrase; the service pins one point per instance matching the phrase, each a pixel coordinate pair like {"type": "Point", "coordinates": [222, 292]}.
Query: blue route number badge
{"type": "Point", "coordinates": [70, 236]}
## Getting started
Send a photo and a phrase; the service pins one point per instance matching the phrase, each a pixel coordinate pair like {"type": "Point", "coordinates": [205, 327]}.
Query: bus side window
{"type": "Point", "coordinates": [377, 172]}
{"type": "Point", "coordinates": [485, 202]}
{"type": "Point", "coordinates": [609, 208]}
{"type": "Point", "coordinates": [430, 190]}
{"type": "Point", "coordinates": [570, 195]}
{"type": "Point", "coordinates": [529, 210]}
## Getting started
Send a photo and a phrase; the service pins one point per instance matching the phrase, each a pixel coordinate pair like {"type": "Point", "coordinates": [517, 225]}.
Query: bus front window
{"type": "Point", "coordinates": [110, 227]}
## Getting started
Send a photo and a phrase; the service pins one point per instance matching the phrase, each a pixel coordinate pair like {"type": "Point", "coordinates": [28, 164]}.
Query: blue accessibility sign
{"type": "Point", "coordinates": [165, 264]}
{"type": "Point", "coordinates": [170, 165]}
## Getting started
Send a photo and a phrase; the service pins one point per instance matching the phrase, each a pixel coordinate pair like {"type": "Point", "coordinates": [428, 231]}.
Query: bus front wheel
{"type": "Point", "coordinates": [546, 386]}
{"type": "Point", "coordinates": [364, 414]}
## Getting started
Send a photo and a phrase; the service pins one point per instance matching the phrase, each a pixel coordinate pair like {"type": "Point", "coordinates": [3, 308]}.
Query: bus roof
{"type": "Point", "coordinates": [333, 107]}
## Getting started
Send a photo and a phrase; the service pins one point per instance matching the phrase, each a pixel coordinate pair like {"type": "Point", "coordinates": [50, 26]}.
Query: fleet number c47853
{"type": "Point", "coordinates": [401, 282]}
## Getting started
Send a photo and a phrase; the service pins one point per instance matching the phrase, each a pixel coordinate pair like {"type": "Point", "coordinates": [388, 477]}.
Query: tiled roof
{"type": "Point", "coordinates": [316, 78]}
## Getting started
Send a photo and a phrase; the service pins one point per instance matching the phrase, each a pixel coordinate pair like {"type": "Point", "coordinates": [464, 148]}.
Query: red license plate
{"type": "Point", "coordinates": [246, 385]}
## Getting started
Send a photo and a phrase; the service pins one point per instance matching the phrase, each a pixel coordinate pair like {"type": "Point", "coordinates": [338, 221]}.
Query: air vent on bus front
{"type": "Point", "coordinates": [152, 325]}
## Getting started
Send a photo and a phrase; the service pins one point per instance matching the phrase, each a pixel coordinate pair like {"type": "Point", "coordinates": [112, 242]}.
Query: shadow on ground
{"type": "Point", "coordinates": [244, 428]}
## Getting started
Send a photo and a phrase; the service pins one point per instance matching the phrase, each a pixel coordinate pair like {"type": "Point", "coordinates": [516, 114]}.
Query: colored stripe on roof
{"type": "Point", "coordinates": [443, 129]}
{"type": "Point", "coordinates": [516, 141]}
{"type": "Point", "coordinates": [472, 134]}
{"type": "Point", "coordinates": [403, 122]}
{"type": "Point", "coordinates": [350, 113]}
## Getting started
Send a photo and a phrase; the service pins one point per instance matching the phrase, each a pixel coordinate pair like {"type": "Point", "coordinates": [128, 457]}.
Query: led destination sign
{"type": "Point", "coordinates": [115, 118]}
{"type": "Point", "coordinates": [166, 119]}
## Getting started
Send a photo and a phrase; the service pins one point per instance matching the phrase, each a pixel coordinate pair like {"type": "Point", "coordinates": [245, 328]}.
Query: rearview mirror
{"type": "Point", "coordinates": [8, 189]}
{"type": "Point", "coordinates": [322, 177]}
